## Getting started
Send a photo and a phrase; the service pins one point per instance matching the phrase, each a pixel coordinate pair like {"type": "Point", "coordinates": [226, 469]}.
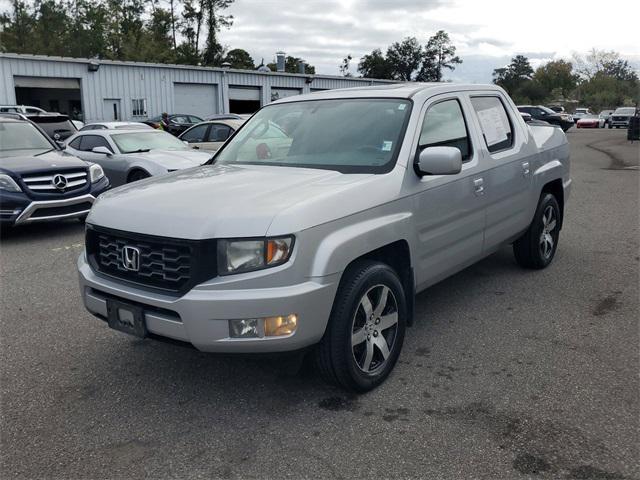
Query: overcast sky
{"type": "Point", "coordinates": [486, 32]}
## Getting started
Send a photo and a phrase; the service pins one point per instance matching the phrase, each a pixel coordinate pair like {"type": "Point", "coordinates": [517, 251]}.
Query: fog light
{"type": "Point", "coordinates": [277, 326]}
{"type": "Point", "coordinates": [244, 328]}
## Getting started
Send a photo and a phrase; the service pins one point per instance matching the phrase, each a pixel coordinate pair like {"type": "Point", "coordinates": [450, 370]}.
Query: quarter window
{"type": "Point", "coordinates": [76, 143]}
{"type": "Point", "coordinates": [444, 126]}
{"type": "Point", "coordinates": [89, 142]}
{"type": "Point", "coordinates": [139, 107]}
{"type": "Point", "coordinates": [496, 126]}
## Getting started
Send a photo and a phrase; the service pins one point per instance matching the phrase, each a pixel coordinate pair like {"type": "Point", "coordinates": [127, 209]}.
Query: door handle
{"type": "Point", "coordinates": [478, 186]}
{"type": "Point", "coordinates": [525, 168]}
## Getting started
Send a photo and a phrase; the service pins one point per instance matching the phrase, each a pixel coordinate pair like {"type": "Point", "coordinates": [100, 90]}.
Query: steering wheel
{"type": "Point", "coordinates": [263, 152]}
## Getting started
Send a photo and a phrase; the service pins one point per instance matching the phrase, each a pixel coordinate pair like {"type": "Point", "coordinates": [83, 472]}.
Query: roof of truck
{"type": "Point", "coordinates": [397, 90]}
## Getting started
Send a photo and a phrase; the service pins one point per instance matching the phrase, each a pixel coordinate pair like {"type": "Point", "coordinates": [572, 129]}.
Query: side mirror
{"type": "Point", "coordinates": [101, 150]}
{"type": "Point", "coordinates": [440, 161]}
{"type": "Point", "coordinates": [185, 142]}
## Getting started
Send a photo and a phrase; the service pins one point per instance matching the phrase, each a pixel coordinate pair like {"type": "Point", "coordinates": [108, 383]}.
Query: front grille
{"type": "Point", "coordinates": [65, 210]}
{"type": "Point", "coordinates": [43, 182]}
{"type": "Point", "coordinates": [166, 264]}
{"type": "Point", "coordinates": [620, 119]}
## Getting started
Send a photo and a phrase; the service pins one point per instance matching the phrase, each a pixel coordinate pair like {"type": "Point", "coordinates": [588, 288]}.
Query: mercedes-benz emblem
{"type": "Point", "coordinates": [59, 181]}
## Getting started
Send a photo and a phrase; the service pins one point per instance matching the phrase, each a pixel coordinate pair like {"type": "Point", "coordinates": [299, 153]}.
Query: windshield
{"type": "Point", "coordinates": [21, 136]}
{"type": "Point", "coordinates": [350, 136]}
{"type": "Point", "coordinates": [547, 110]}
{"type": "Point", "coordinates": [581, 110]}
{"type": "Point", "coordinates": [152, 140]}
{"type": "Point", "coordinates": [625, 111]}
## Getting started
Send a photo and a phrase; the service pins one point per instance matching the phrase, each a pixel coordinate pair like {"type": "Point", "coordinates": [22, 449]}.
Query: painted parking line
{"type": "Point", "coordinates": [68, 247]}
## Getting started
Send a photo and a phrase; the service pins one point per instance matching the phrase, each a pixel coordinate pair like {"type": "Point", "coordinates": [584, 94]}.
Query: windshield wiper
{"type": "Point", "coordinates": [140, 150]}
{"type": "Point", "coordinates": [46, 151]}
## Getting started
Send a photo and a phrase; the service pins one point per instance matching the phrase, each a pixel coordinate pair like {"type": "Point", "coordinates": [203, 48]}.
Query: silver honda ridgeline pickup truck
{"type": "Point", "coordinates": [317, 223]}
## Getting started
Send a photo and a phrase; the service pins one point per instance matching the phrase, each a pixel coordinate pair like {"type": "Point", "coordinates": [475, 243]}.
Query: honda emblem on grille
{"type": "Point", "coordinates": [131, 258]}
{"type": "Point", "coordinates": [59, 181]}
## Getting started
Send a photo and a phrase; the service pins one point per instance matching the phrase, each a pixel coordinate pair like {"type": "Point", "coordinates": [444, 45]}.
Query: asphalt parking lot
{"type": "Point", "coordinates": [506, 374]}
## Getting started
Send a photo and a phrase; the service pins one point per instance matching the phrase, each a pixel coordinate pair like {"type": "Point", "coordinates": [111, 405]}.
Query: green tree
{"type": "Point", "coordinates": [240, 59]}
{"type": "Point", "coordinates": [292, 65]}
{"type": "Point", "coordinates": [344, 66]}
{"type": "Point", "coordinates": [16, 29]}
{"type": "Point", "coordinates": [439, 54]}
{"type": "Point", "coordinates": [557, 74]}
{"type": "Point", "coordinates": [375, 65]}
{"type": "Point", "coordinates": [405, 58]}
{"type": "Point", "coordinates": [213, 52]}
{"type": "Point", "coordinates": [514, 75]}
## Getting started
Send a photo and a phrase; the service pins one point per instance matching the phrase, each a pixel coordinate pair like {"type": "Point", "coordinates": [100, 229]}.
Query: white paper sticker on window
{"type": "Point", "coordinates": [493, 127]}
{"type": "Point", "coordinates": [386, 146]}
{"type": "Point", "coordinates": [402, 106]}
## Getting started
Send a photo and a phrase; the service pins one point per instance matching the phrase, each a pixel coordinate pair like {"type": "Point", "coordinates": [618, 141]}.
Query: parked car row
{"type": "Point", "coordinates": [582, 117]}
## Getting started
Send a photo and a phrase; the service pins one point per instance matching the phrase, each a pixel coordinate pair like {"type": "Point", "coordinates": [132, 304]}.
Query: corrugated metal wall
{"type": "Point", "coordinates": [155, 83]}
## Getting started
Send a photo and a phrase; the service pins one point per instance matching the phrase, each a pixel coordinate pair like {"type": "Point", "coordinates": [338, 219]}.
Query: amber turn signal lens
{"type": "Point", "coordinates": [278, 326]}
{"type": "Point", "coordinates": [277, 250]}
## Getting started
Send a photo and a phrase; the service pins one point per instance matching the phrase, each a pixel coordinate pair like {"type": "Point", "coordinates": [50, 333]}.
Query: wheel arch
{"type": "Point", "coordinates": [556, 188]}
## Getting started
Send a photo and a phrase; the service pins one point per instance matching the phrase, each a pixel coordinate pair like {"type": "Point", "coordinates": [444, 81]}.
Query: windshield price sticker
{"type": "Point", "coordinates": [386, 146]}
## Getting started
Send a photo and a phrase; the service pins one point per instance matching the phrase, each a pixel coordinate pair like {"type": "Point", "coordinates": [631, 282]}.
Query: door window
{"type": "Point", "coordinates": [89, 142]}
{"type": "Point", "coordinates": [219, 133]}
{"type": "Point", "coordinates": [444, 126]}
{"type": "Point", "coordinates": [494, 121]}
{"type": "Point", "coordinates": [195, 135]}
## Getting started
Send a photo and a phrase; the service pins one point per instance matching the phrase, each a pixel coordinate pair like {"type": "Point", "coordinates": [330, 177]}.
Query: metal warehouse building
{"type": "Point", "coordinates": [92, 90]}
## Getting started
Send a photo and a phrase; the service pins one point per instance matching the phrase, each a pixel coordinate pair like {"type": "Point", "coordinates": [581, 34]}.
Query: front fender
{"type": "Point", "coordinates": [352, 240]}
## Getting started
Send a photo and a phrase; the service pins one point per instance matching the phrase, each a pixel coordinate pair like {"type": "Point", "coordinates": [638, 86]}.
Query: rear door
{"type": "Point", "coordinates": [508, 178]}
{"type": "Point", "coordinates": [449, 210]}
{"type": "Point", "coordinates": [196, 136]}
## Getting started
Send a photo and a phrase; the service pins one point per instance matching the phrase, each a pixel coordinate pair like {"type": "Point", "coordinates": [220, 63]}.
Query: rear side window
{"type": "Point", "coordinates": [219, 133]}
{"type": "Point", "coordinates": [494, 121]}
{"type": "Point", "coordinates": [444, 126]}
{"type": "Point", "coordinates": [89, 142]}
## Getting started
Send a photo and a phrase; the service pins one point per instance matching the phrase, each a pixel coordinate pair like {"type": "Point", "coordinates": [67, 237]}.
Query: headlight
{"type": "Point", "coordinates": [9, 184]}
{"type": "Point", "coordinates": [238, 256]}
{"type": "Point", "coordinates": [95, 172]}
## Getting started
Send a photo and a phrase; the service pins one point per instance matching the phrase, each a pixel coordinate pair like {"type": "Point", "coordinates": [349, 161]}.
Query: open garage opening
{"type": "Point", "coordinates": [62, 95]}
{"type": "Point", "coordinates": [244, 99]}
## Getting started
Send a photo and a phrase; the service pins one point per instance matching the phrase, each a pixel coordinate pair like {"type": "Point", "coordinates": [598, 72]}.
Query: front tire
{"type": "Point", "coordinates": [537, 247]}
{"type": "Point", "coordinates": [366, 329]}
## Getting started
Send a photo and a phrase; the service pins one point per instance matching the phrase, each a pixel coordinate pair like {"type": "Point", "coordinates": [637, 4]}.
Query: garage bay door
{"type": "Point", "coordinates": [195, 98]}
{"type": "Point", "coordinates": [244, 99]}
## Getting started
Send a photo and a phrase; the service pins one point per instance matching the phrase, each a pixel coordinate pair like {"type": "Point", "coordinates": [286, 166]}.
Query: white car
{"type": "Point", "coordinates": [210, 135]}
{"type": "Point", "coordinates": [130, 155]}
{"type": "Point", "coordinates": [23, 109]}
{"type": "Point", "coordinates": [116, 126]}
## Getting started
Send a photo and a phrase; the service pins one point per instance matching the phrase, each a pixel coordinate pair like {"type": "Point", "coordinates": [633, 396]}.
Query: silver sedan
{"type": "Point", "coordinates": [130, 155]}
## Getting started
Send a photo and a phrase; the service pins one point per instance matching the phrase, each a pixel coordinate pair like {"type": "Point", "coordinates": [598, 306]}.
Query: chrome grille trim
{"type": "Point", "coordinates": [43, 183]}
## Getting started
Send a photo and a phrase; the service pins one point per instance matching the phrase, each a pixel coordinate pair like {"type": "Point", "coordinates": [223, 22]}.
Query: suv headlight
{"type": "Point", "coordinates": [9, 184]}
{"type": "Point", "coordinates": [248, 255]}
{"type": "Point", "coordinates": [95, 172]}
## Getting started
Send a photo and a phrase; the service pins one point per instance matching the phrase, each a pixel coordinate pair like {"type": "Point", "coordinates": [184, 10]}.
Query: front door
{"type": "Point", "coordinates": [112, 109]}
{"type": "Point", "coordinates": [449, 210]}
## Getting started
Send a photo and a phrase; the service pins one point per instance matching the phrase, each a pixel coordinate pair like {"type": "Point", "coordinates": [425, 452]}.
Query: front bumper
{"type": "Point", "coordinates": [17, 208]}
{"type": "Point", "coordinates": [201, 316]}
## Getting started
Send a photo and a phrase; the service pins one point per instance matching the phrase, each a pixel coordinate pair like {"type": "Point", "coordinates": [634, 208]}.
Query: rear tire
{"type": "Point", "coordinates": [537, 247]}
{"type": "Point", "coordinates": [366, 328]}
{"type": "Point", "coordinates": [137, 175]}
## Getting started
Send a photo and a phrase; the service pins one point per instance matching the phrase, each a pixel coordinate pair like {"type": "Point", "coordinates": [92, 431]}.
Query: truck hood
{"type": "Point", "coordinates": [224, 201]}
{"type": "Point", "coordinates": [25, 161]}
{"type": "Point", "coordinates": [174, 159]}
